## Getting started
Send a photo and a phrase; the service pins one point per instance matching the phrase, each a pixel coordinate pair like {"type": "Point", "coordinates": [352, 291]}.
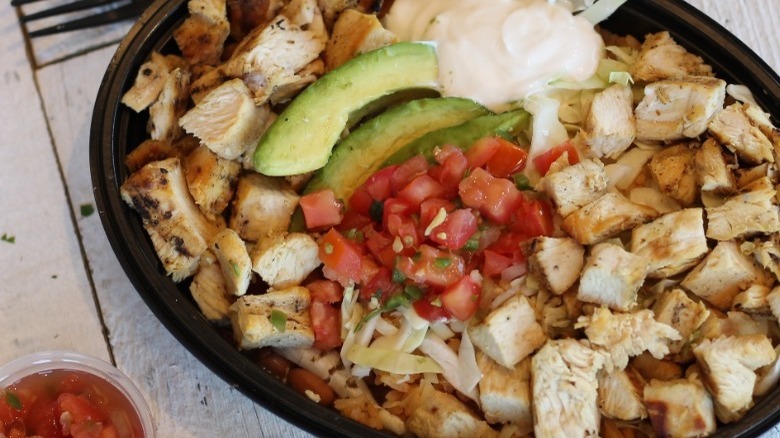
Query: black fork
{"type": "Point", "coordinates": [124, 10]}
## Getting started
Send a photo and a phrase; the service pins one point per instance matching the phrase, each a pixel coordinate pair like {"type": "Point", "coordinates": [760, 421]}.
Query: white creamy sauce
{"type": "Point", "coordinates": [500, 51]}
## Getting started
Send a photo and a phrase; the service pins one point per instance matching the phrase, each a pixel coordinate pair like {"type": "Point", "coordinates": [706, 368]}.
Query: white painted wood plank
{"type": "Point", "coordinates": [47, 298]}
{"type": "Point", "coordinates": [186, 398]}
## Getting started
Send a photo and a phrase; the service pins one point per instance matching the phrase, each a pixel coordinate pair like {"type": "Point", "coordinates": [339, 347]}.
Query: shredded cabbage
{"type": "Point", "coordinates": [435, 348]}
{"type": "Point", "coordinates": [740, 93]}
{"type": "Point", "coordinates": [601, 10]}
{"type": "Point", "coordinates": [406, 339]}
{"type": "Point", "coordinates": [469, 371]}
{"type": "Point", "coordinates": [547, 129]}
{"type": "Point", "coordinates": [392, 361]}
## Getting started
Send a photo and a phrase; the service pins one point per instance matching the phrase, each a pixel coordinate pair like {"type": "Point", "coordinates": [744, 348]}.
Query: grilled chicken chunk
{"type": "Point", "coordinates": [262, 207]}
{"type": "Point", "coordinates": [612, 277]}
{"type": "Point", "coordinates": [713, 173]}
{"type": "Point", "coordinates": [624, 335]}
{"type": "Point", "coordinates": [170, 106]}
{"type": "Point", "coordinates": [766, 252]}
{"type": "Point", "coordinates": [728, 365]}
{"type": "Point", "coordinates": [723, 274]}
{"type": "Point", "coordinates": [354, 33]}
{"type": "Point", "coordinates": [575, 186]}
{"type": "Point", "coordinates": [753, 301]}
{"type": "Point", "coordinates": [256, 319]}
{"type": "Point", "coordinates": [660, 369]}
{"type": "Point", "coordinates": [509, 333]}
{"type": "Point", "coordinates": [442, 415]}
{"type": "Point", "coordinates": [285, 260]}
{"type": "Point", "coordinates": [210, 179]}
{"type": "Point", "coordinates": [150, 81]}
{"type": "Point", "coordinates": [556, 261]}
{"type": "Point", "coordinates": [752, 211]}
{"type": "Point", "coordinates": [660, 57]}
{"type": "Point", "coordinates": [564, 387]}
{"type": "Point", "coordinates": [672, 243]}
{"type": "Point", "coordinates": [680, 408]}
{"type": "Point", "coordinates": [505, 393]}
{"type": "Point", "coordinates": [179, 231]}
{"type": "Point", "coordinates": [201, 37]}
{"type": "Point", "coordinates": [734, 323]}
{"type": "Point", "coordinates": [733, 129]}
{"type": "Point", "coordinates": [679, 108]}
{"type": "Point", "coordinates": [208, 289]}
{"type": "Point", "coordinates": [673, 169]}
{"type": "Point", "coordinates": [233, 260]}
{"type": "Point", "coordinates": [620, 394]}
{"type": "Point", "coordinates": [606, 217]}
{"type": "Point", "coordinates": [610, 126]}
{"type": "Point", "coordinates": [246, 15]}
{"type": "Point", "coordinates": [674, 308]}
{"type": "Point", "coordinates": [227, 120]}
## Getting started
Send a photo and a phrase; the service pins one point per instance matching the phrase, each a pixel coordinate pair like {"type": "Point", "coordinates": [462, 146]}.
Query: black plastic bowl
{"type": "Point", "coordinates": [117, 130]}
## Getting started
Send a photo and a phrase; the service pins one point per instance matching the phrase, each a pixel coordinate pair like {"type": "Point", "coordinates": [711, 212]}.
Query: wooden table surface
{"type": "Point", "coordinates": [60, 284]}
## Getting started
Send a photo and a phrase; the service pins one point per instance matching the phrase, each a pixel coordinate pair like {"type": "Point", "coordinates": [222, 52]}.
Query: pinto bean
{"type": "Point", "coordinates": [275, 364]}
{"type": "Point", "coordinates": [308, 384]}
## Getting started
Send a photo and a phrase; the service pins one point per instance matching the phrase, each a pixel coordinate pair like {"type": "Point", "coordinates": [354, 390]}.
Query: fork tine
{"type": "Point", "coordinates": [131, 10]}
{"type": "Point", "coordinates": [64, 9]}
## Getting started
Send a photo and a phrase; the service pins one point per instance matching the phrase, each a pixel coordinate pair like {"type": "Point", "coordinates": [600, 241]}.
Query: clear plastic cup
{"type": "Point", "coordinates": [44, 361]}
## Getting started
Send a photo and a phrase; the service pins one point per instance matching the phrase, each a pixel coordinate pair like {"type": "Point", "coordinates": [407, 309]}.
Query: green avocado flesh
{"type": "Point", "coordinates": [302, 137]}
{"type": "Point", "coordinates": [464, 135]}
{"type": "Point", "coordinates": [362, 153]}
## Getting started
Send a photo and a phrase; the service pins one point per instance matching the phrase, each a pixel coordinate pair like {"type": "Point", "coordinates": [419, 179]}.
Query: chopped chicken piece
{"type": "Point", "coordinates": [171, 104]}
{"type": "Point", "coordinates": [733, 129]}
{"type": "Point", "coordinates": [206, 83]}
{"type": "Point", "coordinates": [753, 211]}
{"type": "Point", "coordinates": [676, 309]}
{"type": "Point", "coordinates": [289, 87]}
{"type": "Point", "coordinates": [612, 277]}
{"type": "Point", "coordinates": [298, 182]}
{"type": "Point", "coordinates": [208, 289]}
{"type": "Point", "coordinates": [712, 171]}
{"type": "Point", "coordinates": [227, 120]}
{"type": "Point", "coordinates": [623, 335]}
{"type": "Point", "coordinates": [150, 81]}
{"type": "Point", "coordinates": [723, 274]}
{"type": "Point", "coordinates": [672, 243]}
{"type": "Point", "coordinates": [766, 252]}
{"type": "Point", "coordinates": [654, 198]}
{"type": "Point", "coordinates": [676, 109]}
{"type": "Point", "coordinates": [245, 15]}
{"type": "Point", "coordinates": [673, 170]}
{"type": "Point", "coordinates": [331, 9]}
{"type": "Point", "coordinates": [680, 408]}
{"type": "Point", "coordinates": [733, 324]}
{"type": "Point", "coordinates": [773, 299]}
{"type": "Point", "coordinates": [564, 387]}
{"type": "Point", "coordinates": [210, 179]}
{"type": "Point", "coordinates": [285, 260]}
{"type": "Point", "coordinates": [575, 186]}
{"type": "Point", "coordinates": [606, 217]}
{"type": "Point", "coordinates": [505, 393]}
{"type": "Point", "coordinates": [256, 319]}
{"type": "Point", "coordinates": [620, 394]}
{"type": "Point", "coordinates": [745, 176]}
{"type": "Point", "coordinates": [556, 261]}
{"type": "Point", "coordinates": [660, 369]}
{"type": "Point", "coordinates": [148, 151]}
{"type": "Point", "coordinates": [201, 37]}
{"type": "Point", "coordinates": [753, 301]}
{"type": "Point", "coordinates": [509, 333]}
{"type": "Point", "coordinates": [179, 231]}
{"type": "Point", "coordinates": [728, 365]}
{"type": "Point", "coordinates": [442, 415]}
{"type": "Point", "coordinates": [233, 260]}
{"type": "Point", "coordinates": [262, 207]}
{"type": "Point", "coordinates": [354, 33]}
{"type": "Point", "coordinates": [610, 126]}
{"type": "Point", "coordinates": [662, 58]}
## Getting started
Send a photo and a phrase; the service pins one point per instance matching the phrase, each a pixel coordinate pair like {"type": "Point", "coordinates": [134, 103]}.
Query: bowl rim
{"type": "Point", "coordinates": [172, 308]}
{"type": "Point", "coordinates": [51, 360]}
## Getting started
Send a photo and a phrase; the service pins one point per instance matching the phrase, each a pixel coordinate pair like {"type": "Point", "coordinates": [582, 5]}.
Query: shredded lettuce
{"type": "Point", "coordinates": [547, 129]}
{"type": "Point", "coordinates": [435, 348]}
{"type": "Point", "coordinates": [392, 361]}
{"type": "Point", "coordinates": [601, 10]}
{"type": "Point", "coordinates": [620, 77]}
{"type": "Point", "coordinates": [469, 371]}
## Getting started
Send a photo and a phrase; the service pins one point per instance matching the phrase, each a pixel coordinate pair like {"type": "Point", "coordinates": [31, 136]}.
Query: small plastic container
{"type": "Point", "coordinates": [47, 362]}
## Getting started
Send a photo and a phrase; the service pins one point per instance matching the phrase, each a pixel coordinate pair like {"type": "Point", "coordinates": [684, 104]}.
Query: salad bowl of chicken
{"type": "Point", "coordinates": [502, 218]}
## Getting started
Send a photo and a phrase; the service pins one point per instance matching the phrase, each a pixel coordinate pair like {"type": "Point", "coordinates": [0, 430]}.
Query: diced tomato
{"type": "Point", "coordinates": [326, 323]}
{"type": "Point", "coordinates": [341, 255]}
{"type": "Point", "coordinates": [397, 206]}
{"type": "Point", "coordinates": [494, 263]}
{"type": "Point", "coordinates": [452, 166]}
{"type": "Point", "coordinates": [532, 218]}
{"type": "Point", "coordinates": [480, 152]}
{"type": "Point", "coordinates": [433, 313]}
{"type": "Point", "coordinates": [495, 198]}
{"type": "Point", "coordinates": [360, 201]}
{"type": "Point", "coordinates": [380, 184]}
{"type": "Point", "coordinates": [421, 188]}
{"type": "Point", "coordinates": [456, 230]}
{"type": "Point", "coordinates": [432, 267]}
{"type": "Point", "coordinates": [79, 406]}
{"type": "Point", "coordinates": [42, 417]}
{"type": "Point", "coordinates": [326, 291]}
{"type": "Point", "coordinates": [545, 160]}
{"type": "Point", "coordinates": [86, 429]}
{"type": "Point", "coordinates": [430, 208]}
{"type": "Point", "coordinates": [409, 170]}
{"type": "Point", "coordinates": [381, 285]}
{"type": "Point", "coordinates": [321, 209]}
{"type": "Point", "coordinates": [461, 298]}
{"type": "Point", "coordinates": [405, 228]}
{"type": "Point", "coordinates": [507, 160]}
{"type": "Point", "coordinates": [508, 244]}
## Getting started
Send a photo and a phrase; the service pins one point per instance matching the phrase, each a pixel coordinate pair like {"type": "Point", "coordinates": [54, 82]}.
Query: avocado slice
{"type": "Point", "coordinates": [301, 138]}
{"type": "Point", "coordinates": [362, 153]}
{"type": "Point", "coordinates": [463, 135]}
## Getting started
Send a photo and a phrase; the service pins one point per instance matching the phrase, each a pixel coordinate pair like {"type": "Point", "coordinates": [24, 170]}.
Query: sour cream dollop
{"type": "Point", "coordinates": [500, 51]}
